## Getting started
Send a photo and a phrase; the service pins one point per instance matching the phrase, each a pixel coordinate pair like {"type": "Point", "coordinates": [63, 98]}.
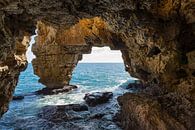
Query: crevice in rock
{"type": "Point", "coordinates": [186, 38]}
{"type": "Point", "coordinates": [118, 43]}
{"type": "Point", "coordinates": [181, 73]}
{"type": "Point", "coordinates": [154, 51]}
{"type": "Point", "coordinates": [183, 59]}
{"type": "Point", "coordinates": [155, 81]}
{"type": "Point", "coordinates": [193, 73]}
{"type": "Point", "coordinates": [143, 73]}
{"type": "Point", "coordinates": [126, 13]}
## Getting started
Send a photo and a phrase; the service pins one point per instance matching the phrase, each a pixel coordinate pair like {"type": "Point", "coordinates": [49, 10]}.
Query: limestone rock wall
{"type": "Point", "coordinates": [53, 64]}
{"type": "Point", "coordinates": [156, 39]}
{"type": "Point", "coordinates": [160, 54]}
{"type": "Point", "coordinates": [12, 61]}
{"type": "Point", "coordinates": [58, 49]}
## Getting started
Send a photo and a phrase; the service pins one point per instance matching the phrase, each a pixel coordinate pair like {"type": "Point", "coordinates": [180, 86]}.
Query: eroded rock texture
{"type": "Point", "coordinates": [156, 38]}
{"type": "Point", "coordinates": [58, 49]}
{"type": "Point", "coordinates": [15, 37]}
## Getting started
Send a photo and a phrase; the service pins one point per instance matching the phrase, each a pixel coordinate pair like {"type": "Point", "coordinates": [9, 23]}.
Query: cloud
{"type": "Point", "coordinates": [102, 55]}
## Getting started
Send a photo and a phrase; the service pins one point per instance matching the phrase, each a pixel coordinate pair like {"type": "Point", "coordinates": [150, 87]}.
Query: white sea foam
{"type": "Point", "coordinates": [88, 77]}
{"type": "Point", "coordinates": [77, 96]}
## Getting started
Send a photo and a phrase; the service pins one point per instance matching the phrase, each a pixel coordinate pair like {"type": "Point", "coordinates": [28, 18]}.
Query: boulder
{"type": "Point", "coordinates": [96, 98]}
{"type": "Point", "coordinates": [51, 91]}
{"type": "Point", "coordinates": [74, 107]}
{"type": "Point", "coordinates": [61, 113]}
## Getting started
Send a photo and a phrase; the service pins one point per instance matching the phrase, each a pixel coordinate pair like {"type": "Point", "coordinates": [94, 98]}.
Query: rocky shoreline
{"type": "Point", "coordinates": [105, 111]}
{"type": "Point", "coordinates": [98, 111]}
{"type": "Point", "coordinates": [52, 91]}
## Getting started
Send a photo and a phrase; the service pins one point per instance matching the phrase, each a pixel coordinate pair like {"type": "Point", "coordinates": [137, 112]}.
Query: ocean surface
{"type": "Point", "coordinates": [89, 77]}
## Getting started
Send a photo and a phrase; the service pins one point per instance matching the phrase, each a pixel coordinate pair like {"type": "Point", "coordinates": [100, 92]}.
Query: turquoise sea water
{"type": "Point", "coordinates": [89, 77]}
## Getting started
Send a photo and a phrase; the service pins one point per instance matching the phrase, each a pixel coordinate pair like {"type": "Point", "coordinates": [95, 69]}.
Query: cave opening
{"type": "Point", "coordinates": [101, 73]}
{"type": "Point", "coordinates": [156, 39]}
{"type": "Point", "coordinates": [101, 70]}
{"type": "Point", "coordinates": [28, 81]}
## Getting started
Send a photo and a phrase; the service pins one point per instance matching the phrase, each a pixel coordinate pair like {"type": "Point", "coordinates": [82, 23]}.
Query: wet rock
{"type": "Point", "coordinates": [74, 107]}
{"type": "Point", "coordinates": [107, 117]}
{"type": "Point", "coordinates": [61, 113]}
{"type": "Point", "coordinates": [135, 86]}
{"type": "Point", "coordinates": [18, 97]}
{"type": "Point", "coordinates": [51, 91]}
{"type": "Point", "coordinates": [79, 114]}
{"type": "Point", "coordinates": [52, 113]}
{"type": "Point", "coordinates": [29, 124]}
{"type": "Point", "coordinates": [110, 127]}
{"type": "Point", "coordinates": [97, 116]}
{"type": "Point", "coordinates": [96, 98]}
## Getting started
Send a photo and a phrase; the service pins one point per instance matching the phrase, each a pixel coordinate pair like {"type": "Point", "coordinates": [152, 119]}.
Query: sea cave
{"type": "Point", "coordinates": [156, 40]}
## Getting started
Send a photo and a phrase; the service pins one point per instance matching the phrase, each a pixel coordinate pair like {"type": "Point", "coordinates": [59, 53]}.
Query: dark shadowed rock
{"type": "Point", "coordinates": [97, 116]}
{"type": "Point", "coordinates": [96, 98]}
{"type": "Point", "coordinates": [140, 112]}
{"type": "Point", "coordinates": [51, 91]}
{"type": "Point", "coordinates": [18, 97]}
{"type": "Point", "coordinates": [61, 113]}
{"type": "Point", "coordinates": [74, 107]}
{"type": "Point", "coordinates": [135, 86]}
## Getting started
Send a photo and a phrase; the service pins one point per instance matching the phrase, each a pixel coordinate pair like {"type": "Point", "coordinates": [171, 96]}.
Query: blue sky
{"type": "Point", "coordinates": [98, 55]}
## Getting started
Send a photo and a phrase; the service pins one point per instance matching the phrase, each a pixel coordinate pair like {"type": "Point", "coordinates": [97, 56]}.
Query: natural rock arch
{"type": "Point", "coordinates": [58, 50]}
{"type": "Point", "coordinates": [158, 37]}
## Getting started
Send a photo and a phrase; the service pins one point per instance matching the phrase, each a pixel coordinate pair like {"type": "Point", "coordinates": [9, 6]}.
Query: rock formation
{"type": "Point", "coordinates": [96, 98]}
{"type": "Point", "coordinates": [53, 91]}
{"type": "Point", "coordinates": [156, 38]}
{"type": "Point", "coordinates": [59, 49]}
